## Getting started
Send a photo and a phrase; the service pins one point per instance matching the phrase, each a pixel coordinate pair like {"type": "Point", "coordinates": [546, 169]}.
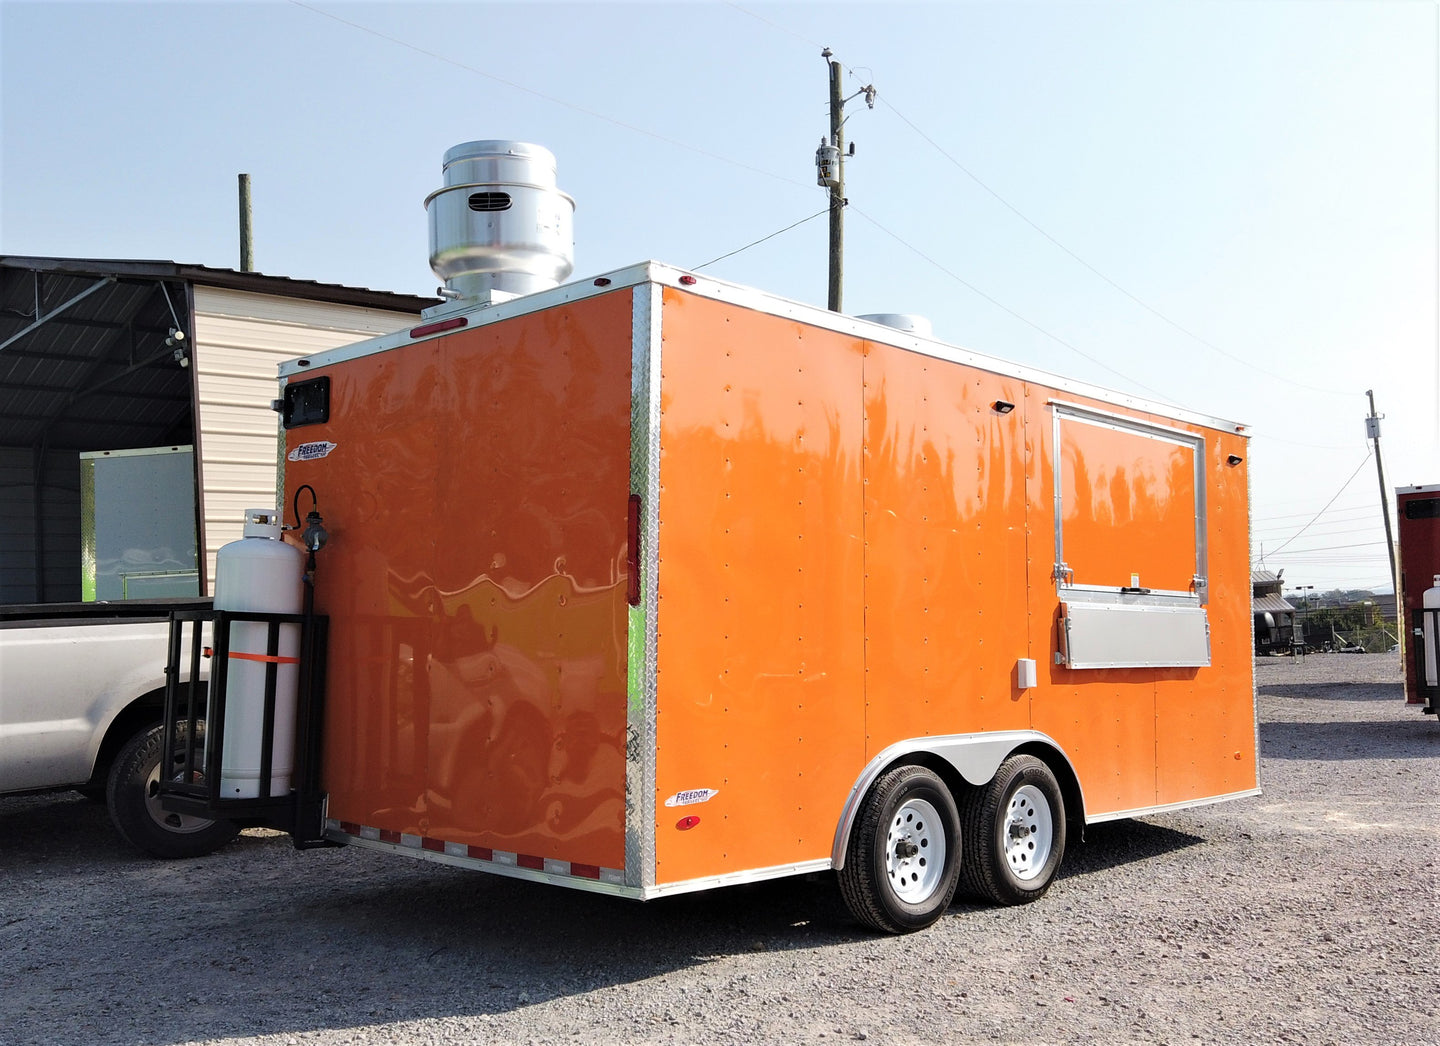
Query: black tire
{"type": "Point", "coordinates": [1016, 830]}
{"type": "Point", "coordinates": [903, 861]}
{"type": "Point", "coordinates": [135, 807]}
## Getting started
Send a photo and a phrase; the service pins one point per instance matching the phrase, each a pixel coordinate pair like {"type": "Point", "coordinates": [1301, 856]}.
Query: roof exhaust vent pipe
{"type": "Point", "coordinates": [499, 227]}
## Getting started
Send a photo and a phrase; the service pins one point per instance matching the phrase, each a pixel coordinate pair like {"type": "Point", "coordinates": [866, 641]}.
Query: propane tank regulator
{"type": "Point", "coordinates": [313, 537]}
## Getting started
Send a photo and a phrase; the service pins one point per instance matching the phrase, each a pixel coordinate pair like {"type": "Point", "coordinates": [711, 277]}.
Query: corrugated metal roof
{"type": "Point", "coordinates": [1263, 577]}
{"type": "Point", "coordinates": [95, 356]}
{"type": "Point", "coordinates": [83, 353]}
{"type": "Point", "coordinates": [1270, 604]}
{"type": "Point", "coordinates": [210, 276]}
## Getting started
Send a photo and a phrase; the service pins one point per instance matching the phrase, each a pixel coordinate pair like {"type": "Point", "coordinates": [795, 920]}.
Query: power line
{"type": "Point", "coordinates": [1264, 523]}
{"type": "Point", "coordinates": [1327, 504]}
{"type": "Point", "coordinates": [773, 25]}
{"type": "Point", "coordinates": [1133, 297]}
{"type": "Point", "coordinates": [1004, 308]}
{"type": "Point", "coordinates": [1261, 434]}
{"type": "Point", "coordinates": [1356, 538]}
{"type": "Point", "coordinates": [1322, 531]}
{"type": "Point", "coordinates": [1026, 219]}
{"type": "Point", "coordinates": [1307, 512]}
{"type": "Point", "coordinates": [1357, 514]}
{"type": "Point", "coordinates": [1061, 246]}
{"type": "Point", "coordinates": [802, 221]}
{"type": "Point", "coordinates": [1328, 548]}
{"type": "Point", "coordinates": [547, 97]}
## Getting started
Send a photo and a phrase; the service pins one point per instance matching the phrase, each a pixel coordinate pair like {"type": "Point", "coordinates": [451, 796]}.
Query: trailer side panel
{"type": "Point", "coordinates": [945, 548]}
{"type": "Point", "coordinates": [1135, 509]}
{"type": "Point", "coordinates": [760, 676]}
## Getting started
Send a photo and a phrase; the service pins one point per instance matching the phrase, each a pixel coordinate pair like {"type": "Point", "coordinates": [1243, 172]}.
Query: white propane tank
{"type": "Point", "coordinates": [1431, 601]}
{"type": "Point", "coordinates": [261, 574]}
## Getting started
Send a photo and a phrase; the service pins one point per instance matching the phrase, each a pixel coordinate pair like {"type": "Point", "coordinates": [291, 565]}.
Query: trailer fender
{"type": "Point", "coordinates": [975, 757]}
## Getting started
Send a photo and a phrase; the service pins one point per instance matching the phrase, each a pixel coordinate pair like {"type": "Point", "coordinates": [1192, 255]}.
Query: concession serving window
{"type": "Point", "coordinates": [1130, 564]}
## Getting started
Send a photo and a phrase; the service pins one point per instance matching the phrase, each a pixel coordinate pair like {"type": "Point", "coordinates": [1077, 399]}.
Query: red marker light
{"type": "Point", "coordinates": [687, 823]}
{"type": "Point", "coordinates": [688, 280]}
{"type": "Point", "coordinates": [602, 281]}
{"type": "Point", "coordinates": [632, 553]}
{"type": "Point", "coordinates": [436, 328]}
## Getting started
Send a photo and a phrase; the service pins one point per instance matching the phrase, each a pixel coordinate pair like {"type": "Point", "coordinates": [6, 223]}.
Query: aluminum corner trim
{"type": "Point", "coordinates": [640, 708]}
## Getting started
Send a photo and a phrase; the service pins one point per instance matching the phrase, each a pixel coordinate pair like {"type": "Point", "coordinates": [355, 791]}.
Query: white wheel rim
{"type": "Point", "coordinates": [1029, 832]}
{"type": "Point", "coordinates": [181, 824]}
{"type": "Point", "coordinates": [915, 851]}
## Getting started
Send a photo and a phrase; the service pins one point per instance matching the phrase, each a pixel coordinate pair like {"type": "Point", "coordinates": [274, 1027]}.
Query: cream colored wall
{"type": "Point", "coordinates": [240, 339]}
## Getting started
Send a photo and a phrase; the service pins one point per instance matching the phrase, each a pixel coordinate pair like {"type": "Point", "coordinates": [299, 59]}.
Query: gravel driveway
{"type": "Point", "coordinates": [1307, 915]}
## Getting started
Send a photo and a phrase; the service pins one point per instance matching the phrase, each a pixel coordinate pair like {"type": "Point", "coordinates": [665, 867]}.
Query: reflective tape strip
{"type": "Point", "coordinates": [266, 658]}
{"type": "Point", "coordinates": [615, 876]}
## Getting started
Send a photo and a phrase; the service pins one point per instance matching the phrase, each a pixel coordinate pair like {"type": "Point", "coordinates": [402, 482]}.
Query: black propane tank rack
{"type": "Point", "coordinates": [1431, 694]}
{"type": "Point", "coordinates": [192, 787]}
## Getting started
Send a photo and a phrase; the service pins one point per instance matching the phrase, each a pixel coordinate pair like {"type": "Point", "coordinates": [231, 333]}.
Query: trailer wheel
{"type": "Point", "coordinates": [136, 811]}
{"type": "Point", "coordinates": [1016, 827]}
{"type": "Point", "coordinates": [903, 861]}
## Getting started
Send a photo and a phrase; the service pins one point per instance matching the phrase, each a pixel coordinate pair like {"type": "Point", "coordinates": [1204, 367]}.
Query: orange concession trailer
{"type": "Point", "coordinates": [653, 583]}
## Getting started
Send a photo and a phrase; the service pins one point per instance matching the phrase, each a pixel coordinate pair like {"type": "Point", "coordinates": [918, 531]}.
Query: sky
{"type": "Point", "coordinates": [1228, 206]}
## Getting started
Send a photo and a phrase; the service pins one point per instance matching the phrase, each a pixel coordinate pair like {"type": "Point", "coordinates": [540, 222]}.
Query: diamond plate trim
{"type": "Point", "coordinates": [645, 481]}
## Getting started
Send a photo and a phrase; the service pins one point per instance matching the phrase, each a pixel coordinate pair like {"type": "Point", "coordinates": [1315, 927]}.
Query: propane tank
{"type": "Point", "coordinates": [260, 574]}
{"type": "Point", "coordinates": [1431, 601]}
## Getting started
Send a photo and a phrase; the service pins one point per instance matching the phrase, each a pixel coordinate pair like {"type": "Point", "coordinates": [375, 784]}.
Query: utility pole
{"type": "Point", "coordinates": [247, 243]}
{"type": "Point", "coordinates": [830, 173]}
{"type": "Point", "coordinates": [836, 283]}
{"type": "Point", "coordinates": [1372, 432]}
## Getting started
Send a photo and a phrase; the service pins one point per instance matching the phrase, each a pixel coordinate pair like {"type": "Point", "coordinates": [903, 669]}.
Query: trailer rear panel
{"type": "Point", "coordinates": [476, 488]}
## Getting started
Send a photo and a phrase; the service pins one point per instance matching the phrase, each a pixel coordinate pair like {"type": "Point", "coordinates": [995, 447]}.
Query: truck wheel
{"type": "Point", "coordinates": [1016, 827]}
{"type": "Point", "coordinates": [135, 805]}
{"type": "Point", "coordinates": [903, 862]}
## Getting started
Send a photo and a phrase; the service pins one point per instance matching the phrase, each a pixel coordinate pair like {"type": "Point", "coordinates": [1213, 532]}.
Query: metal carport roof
{"type": "Point", "coordinates": [87, 346]}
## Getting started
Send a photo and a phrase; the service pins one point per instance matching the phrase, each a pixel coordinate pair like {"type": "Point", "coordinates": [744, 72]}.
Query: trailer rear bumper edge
{"type": "Point", "coordinates": [485, 859]}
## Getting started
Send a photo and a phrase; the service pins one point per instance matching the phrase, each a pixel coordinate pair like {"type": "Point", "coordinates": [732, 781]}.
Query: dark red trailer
{"type": "Point", "coordinates": [1419, 512]}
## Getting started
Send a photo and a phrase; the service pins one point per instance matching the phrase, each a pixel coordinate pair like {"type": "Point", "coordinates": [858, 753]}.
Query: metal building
{"type": "Point", "coordinates": [107, 355]}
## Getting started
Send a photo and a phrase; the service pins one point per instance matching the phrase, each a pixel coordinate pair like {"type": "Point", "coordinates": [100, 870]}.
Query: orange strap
{"type": "Point", "coordinates": [266, 658]}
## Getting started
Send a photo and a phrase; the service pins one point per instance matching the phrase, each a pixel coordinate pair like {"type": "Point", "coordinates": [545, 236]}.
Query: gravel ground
{"type": "Point", "coordinates": [1308, 915]}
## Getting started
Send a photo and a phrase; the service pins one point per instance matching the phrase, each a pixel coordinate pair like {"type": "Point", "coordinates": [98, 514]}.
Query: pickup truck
{"type": "Point", "coordinates": [100, 735]}
{"type": "Point", "coordinates": [136, 427]}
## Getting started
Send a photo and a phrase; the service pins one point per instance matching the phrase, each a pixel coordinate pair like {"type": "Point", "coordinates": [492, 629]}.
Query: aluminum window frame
{"type": "Point", "coordinates": [1063, 410]}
